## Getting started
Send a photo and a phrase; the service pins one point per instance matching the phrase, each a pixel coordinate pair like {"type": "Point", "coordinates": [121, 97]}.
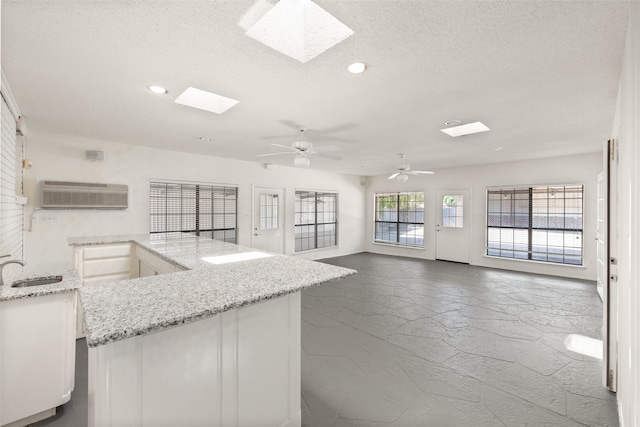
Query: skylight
{"type": "Point", "coordinates": [300, 29]}
{"type": "Point", "coordinates": [204, 100]}
{"type": "Point", "coordinates": [465, 129]}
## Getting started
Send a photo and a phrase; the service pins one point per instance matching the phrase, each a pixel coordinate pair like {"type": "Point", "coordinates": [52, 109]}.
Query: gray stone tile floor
{"type": "Point", "coordinates": [409, 342]}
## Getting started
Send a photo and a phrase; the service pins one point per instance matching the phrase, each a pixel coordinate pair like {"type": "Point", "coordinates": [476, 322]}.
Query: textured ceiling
{"type": "Point", "coordinates": [542, 75]}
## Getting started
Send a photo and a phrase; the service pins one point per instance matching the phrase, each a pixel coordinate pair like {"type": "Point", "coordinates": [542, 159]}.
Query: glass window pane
{"type": "Point", "coordinates": [315, 220]}
{"type": "Point", "coordinates": [452, 211]}
{"type": "Point", "coordinates": [536, 223]}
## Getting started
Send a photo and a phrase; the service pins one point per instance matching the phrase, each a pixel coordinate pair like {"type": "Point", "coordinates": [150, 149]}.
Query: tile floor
{"type": "Point", "coordinates": [410, 342]}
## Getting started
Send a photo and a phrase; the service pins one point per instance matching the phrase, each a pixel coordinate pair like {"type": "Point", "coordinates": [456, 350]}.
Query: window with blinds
{"type": "Point", "coordinates": [400, 218]}
{"type": "Point", "coordinates": [316, 220]}
{"type": "Point", "coordinates": [536, 223]}
{"type": "Point", "coordinates": [201, 209]}
{"type": "Point", "coordinates": [11, 213]}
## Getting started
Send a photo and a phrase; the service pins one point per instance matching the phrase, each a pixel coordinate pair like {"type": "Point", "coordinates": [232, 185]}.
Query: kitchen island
{"type": "Point", "coordinates": [215, 344]}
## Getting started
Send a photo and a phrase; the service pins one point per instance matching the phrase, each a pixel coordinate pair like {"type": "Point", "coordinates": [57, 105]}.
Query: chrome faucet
{"type": "Point", "coordinates": [11, 261]}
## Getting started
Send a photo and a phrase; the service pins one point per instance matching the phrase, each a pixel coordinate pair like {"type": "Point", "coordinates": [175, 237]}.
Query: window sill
{"type": "Point", "coordinates": [530, 261]}
{"type": "Point", "coordinates": [391, 245]}
{"type": "Point", "coordinates": [309, 251]}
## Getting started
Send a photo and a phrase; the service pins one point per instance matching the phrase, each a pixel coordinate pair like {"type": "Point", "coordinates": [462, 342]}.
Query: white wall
{"type": "Point", "coordinates": [581, 169]}
{"type": "Point", "coordinates": [626, 131]}
{"type": "Point", "coordinates": [56, 157]}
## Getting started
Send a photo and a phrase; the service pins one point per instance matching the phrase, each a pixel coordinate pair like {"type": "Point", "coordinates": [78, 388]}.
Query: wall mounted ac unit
{"type": "Point", "coordinates": [83, 195]}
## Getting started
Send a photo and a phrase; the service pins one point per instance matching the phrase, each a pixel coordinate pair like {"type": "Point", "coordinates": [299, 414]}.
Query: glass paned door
{"type": "Point", "coordinates": [268, 232]}
{"type": "Point", "coordinates": [452, 225]}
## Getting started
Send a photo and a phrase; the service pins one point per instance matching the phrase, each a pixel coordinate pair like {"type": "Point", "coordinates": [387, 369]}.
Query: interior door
{"type": "Point", "coordinates": [453, 225]}
{"type": "Point", "coordinates": [268, 204]}
{"type": "Point", "coordinates": [609, 279]}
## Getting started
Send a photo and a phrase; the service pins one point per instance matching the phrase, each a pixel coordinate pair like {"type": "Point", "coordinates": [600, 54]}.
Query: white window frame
{"type": "Point", "coordinates": [535, 256]}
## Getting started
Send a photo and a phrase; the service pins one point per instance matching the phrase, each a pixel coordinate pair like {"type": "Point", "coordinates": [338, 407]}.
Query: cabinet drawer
{"type": "Point", "coordinates": [103, 267]}
{"type": "Point", "coordinates": [107, 251]}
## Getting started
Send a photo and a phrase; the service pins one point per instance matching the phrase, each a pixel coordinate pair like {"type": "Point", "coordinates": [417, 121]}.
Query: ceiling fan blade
{"type": "Point", "coordinates": [292, 124]}
{"type": "Point", "coordinates": [285, 146]}
{"type": "Point", "coordinates": [326, 149]}
{"type": "Point", "coordinates": [327, 156]}
{"type": "Point", "coordinates": [420, 172]}
{"type": "Point", "coordinates": [277, 136]}
{"type": "Point", "coordinates": [338, 128]}
{"type": "Point", "coordinates": [394, 175]}
{"type": "Point", "coordinates": [329, 138]}
{"type": "Point", "coordinates": [275, 154]}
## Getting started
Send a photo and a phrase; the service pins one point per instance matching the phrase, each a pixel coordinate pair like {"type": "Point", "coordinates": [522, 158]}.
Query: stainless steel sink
{"type": "Point", "coordinates": [37, 281]}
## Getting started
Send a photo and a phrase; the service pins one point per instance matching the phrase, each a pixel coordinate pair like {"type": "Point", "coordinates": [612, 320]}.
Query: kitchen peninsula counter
{"type": "Point", "coordinates": [218, 276]}
{"type": "Point", "coordinates": [215, 344]}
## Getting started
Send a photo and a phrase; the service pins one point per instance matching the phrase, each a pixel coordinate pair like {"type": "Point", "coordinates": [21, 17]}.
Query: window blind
{"type": "Point", "coordinates": [201, 209]}
{"type": "Point", "coordinates": [11, 213]}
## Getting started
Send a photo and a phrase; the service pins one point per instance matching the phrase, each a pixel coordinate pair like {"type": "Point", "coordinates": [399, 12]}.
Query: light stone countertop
{"type": "Point", "coordinates": [70, 282]}
{"type": "Point", "coordinates": [119, 310]}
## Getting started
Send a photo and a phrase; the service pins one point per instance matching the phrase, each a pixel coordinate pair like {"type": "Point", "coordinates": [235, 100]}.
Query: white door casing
{"type": "Point", "coordinates": [453, 225]}
{"type": "Point", "coordinates": [610, 274]}
{"type": "Point", "coordinates": [268, 223]}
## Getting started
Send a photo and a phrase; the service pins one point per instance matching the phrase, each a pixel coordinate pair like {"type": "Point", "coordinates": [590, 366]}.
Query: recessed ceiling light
{"type": "Point", "coordinates": [300, 29]}
{"type": "Point", "coordinates": [452, 122]}
{"type": "Point", "coordinates": [158, 90]}
{"type": "Point", "coordinates": [465, 129]}
{"type": "Point", "coordinates": [498, 148]}
{"type": "Point", "coordinates": [357, 68]}
{"type": "Point", "coordinates": [205, 139]}
{"type": "Point", "coordinates": [204, 100]}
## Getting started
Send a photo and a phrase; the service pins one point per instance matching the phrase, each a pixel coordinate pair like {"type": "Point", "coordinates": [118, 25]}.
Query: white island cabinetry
{"type": "Point", "coordinates": [237, 368]}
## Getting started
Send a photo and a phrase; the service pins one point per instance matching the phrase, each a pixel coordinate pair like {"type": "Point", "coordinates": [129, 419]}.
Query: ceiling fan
{"type": "Point", "coordinates": [326, 134]}
{"type": "Point", "coordinates": [302, 149]}
{"type": "Point", "coordinates": [404, 171]}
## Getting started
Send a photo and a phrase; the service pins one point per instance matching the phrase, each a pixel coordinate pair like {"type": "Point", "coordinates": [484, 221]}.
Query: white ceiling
{"type": "Point", "coordinates": [542, 75]}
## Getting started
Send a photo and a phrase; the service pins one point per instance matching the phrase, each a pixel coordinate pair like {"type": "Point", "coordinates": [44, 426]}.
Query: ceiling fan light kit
{"type": "Point", "coordinates": [301, 161]}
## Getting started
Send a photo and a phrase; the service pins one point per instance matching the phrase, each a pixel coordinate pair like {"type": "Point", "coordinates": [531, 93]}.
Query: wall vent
{"type": "Point", "coordinates": [83, 195]}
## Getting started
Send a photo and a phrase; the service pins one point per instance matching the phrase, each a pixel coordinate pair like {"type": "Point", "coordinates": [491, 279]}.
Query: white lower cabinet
{"type": "Point", "coordinates": [108, 263]}
{"type": "Point", "coordinates": [149, 264]}
{"type": "Point", "coordinates": [100, 264]}
{"type": "Point", "coordinates": [37, 356]}
{"type": "Point", "coordinates": [237, 368]}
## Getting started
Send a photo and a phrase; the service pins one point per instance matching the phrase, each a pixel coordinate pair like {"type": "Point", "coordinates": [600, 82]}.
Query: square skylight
{"type": "Point", "coordinates": [300, 29]}
{"type": "Point", "coordinates": [204, 100]}
{"type": "Point", "coordinates": [465, 129]}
